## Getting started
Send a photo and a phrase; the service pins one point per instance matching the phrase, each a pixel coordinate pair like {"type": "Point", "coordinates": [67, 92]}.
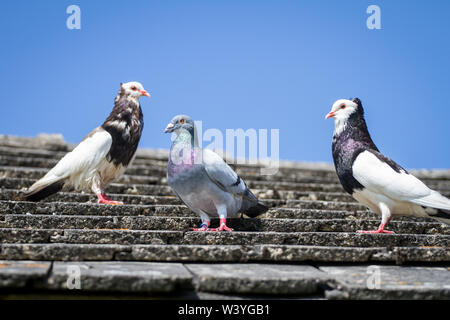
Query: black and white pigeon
{"type": "Point", "coordinates": [204, 181]}
{"type": "Point", "coordinates": [102, 155]}
{"type": "Point", "coordinates": [372, 178]}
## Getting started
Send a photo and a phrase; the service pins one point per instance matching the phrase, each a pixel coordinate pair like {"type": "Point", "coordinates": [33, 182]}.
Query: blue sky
{"type": "Point", "coordinates": [234, 64]}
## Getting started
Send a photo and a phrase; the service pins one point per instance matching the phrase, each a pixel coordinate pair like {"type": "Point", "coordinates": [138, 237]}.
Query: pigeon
{"type": "Point", "coordinates": [102, 155]}
{"type": "Point", "coordinates": [204, 181]}
{"type": "Point", "coordinates": [372, 178]}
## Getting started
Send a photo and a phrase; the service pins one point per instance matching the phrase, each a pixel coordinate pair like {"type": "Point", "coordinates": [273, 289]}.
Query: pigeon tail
{"type": "Point", "coordinates": [441, 215]}
{"type": "Point", "coordinates": [255, 209]}
{"type": "Point", "coordinates": [434, 200]}
{"type": "Point", "coordinates": [251, 206]}
{"type": "Point", "coordinates": [436, 206]}
{"type": "Point", "coordinates": [41, 192]}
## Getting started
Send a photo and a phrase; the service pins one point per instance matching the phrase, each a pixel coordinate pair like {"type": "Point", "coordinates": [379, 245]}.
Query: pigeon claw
{"type": "Point", "coordinates": [379, 230]}
{"type": "Point", "coordinates": [223, 226]}
{"type": "Point", "coordinates": [203, 227]}
{"type": "Point", "coordinates": [200, 229]}
{"type": "Point", "coordinates": [103, 198]}
{"type": "Point", "coordinates": [114, 203]}
{"type": "Point", "coordinates": [375, 231]}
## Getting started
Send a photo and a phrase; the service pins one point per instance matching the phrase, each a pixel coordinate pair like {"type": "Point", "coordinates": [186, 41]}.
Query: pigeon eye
{"type": "Point", "coordinates": [182, 121]}
{"type": "Point", "coordinates": [133, 88]}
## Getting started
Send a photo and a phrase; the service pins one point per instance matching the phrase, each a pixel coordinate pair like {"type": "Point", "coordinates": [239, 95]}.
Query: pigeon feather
{"type": "Point", "coordinates": [203, 180]}
{"type": "Point", "coordinates": [374, 179]}
{"type": "Point", "coordinates": [102, 155]}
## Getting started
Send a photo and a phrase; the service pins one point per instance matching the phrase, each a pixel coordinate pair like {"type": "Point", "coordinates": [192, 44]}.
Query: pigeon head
{"type": "Point", "coordinates": [133, 89]}
{"type": "Point", "coordinates": [180, 122]}
{"type": "Point", "coordinates": [342, 110]}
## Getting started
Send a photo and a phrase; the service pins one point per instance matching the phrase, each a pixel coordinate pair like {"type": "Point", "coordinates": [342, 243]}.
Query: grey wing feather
{"type": "Point", "coordinates": [222, 175]}
{"type": "Point", "coordinates": [226, 179]}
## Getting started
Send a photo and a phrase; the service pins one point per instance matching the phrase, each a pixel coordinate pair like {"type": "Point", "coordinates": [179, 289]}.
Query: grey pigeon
{"type": "Point", "coordinates": [372, 178]}
{"type": "Point", "coordinates": [102, 155]}
{"type": "Point", "coordinates": [204, 181]}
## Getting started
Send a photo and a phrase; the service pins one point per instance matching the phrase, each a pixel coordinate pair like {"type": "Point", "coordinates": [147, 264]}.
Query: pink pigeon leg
{"type": "Point", "coordinates": [203, 227]}
{"type": "Point", "coordinates": [380, 228]}
{"type": "Point", "coordinates": [103, 198]}
{"type": "Point", "coordinates": [223, 226]}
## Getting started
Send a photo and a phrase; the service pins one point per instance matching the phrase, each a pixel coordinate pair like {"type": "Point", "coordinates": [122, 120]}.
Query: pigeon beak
{"type": "Point", "coordinates": [169, 128]}
{"type": "Point", "coordinates": [329, 115]}
{"type": "Point", "coordinates": [145, 93]}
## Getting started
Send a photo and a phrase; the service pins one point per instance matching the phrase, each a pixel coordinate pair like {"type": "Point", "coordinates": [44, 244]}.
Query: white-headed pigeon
{"type": "Point", "coordinates": [204, 181]}
{"type": "Point", "coordinates": [102, 155]}
{"type": "Point", "coordinates": [372, 178]}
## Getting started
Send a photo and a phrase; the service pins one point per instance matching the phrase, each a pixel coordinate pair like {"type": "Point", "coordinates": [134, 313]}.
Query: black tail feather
{"type": "Point", "coordinates": [37, 195]}
{"type": "Point", "coordinates": [256, 210]}
{"type": "Point", "coordinates": [439, 214]}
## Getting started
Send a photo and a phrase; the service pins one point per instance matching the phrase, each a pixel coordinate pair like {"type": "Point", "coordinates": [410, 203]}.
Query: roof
{"type": "Point", "coordinates": [304, 246]}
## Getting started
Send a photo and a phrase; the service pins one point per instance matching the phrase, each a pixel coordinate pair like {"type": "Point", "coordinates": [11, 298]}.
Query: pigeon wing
{"type": "Point", "coordinates": [380, 174]}
{"type": "Point", "coordinates": [86, 156]}
{"type": "Point", "coordinates": [222, 174]}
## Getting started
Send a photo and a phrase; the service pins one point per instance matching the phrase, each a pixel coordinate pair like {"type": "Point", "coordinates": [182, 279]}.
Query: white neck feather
{"type": "Point", "coordinates": [133, 99]}
{"type": "Point", "coordinates": [339, 126]}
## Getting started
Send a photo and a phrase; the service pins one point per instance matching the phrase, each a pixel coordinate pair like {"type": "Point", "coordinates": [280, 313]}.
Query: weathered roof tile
{"type": "Point", "coordinates": [145, 246]}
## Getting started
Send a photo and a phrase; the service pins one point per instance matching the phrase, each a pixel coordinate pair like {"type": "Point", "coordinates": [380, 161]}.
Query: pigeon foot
{"type": "Point", "coordinates": [223, 226]}
{"type": "Point", "coordinates": [380, 230]}
{"type": "Point", "coordinates": [103, 198]}
{"type": "Point", "coordinates": [203, 227]}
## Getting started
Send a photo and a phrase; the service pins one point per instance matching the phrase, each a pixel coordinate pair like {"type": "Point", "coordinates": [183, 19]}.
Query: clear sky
{"type": "Point", "coordinates": [234, 64]}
